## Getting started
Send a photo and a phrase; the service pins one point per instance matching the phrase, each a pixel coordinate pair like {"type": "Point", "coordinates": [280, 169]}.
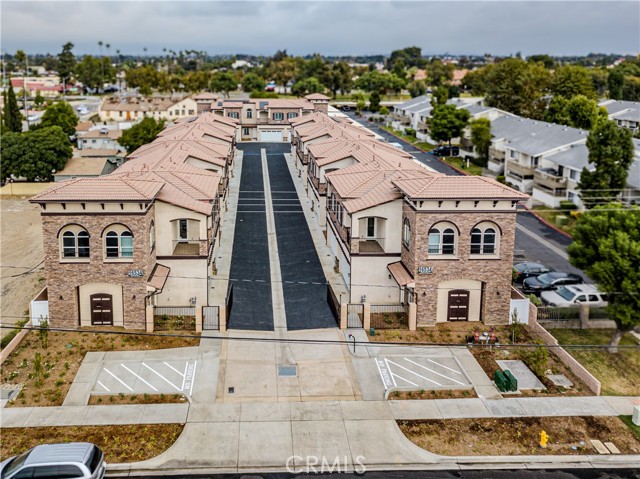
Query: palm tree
{"type": "Point", "coordinates": [101, 62]}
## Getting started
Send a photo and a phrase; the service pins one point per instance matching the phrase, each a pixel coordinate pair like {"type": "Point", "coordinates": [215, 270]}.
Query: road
{"type": "Point", "coordinates": [464, 474]}
{"type": "Point", "coordinates": [535, 241]}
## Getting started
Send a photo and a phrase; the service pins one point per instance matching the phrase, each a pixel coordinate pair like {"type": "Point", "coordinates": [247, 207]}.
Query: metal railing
{"type": "Point", "coordinates": [547, 313]}
{"type": "Point", "coordinates": [210, 318]}
{"type": "Point", "coordinates": [355, 315]}
{"type": "Point", "coordinates": [171, 318]}
{"type": "Point", "coordinates": [389, 316]}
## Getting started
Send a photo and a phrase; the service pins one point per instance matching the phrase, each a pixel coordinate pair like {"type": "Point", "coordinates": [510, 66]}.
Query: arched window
{"type": "Point", "coordinates": [152, 236]}
{"type": "Point", "coordinates": [442, 240]}
{"type": "Point", "coordinates": [118, 242]}
{"type": "Point", "coordinates": [75, 242]}
{"type": "Point", "coordinates": [484, 239]}
{"type": "Point", "coordinates": [406, 235]}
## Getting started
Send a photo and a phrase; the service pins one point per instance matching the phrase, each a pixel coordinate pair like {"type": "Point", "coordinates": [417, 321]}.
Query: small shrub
{"type": "Point", "coordinates": [568, 205]}
{"type": "Point", "coordinates": [409, 131]}
{"type": "Point", "coordinates": [59, 383]}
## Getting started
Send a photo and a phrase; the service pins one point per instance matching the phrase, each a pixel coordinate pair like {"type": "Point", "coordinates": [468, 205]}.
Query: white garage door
{"type": "Point", "coordinates": [271, 135]}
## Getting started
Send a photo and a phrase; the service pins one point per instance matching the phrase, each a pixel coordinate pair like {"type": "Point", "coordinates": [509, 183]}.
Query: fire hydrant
{"type": "Point", "coordinates": [544, 437]}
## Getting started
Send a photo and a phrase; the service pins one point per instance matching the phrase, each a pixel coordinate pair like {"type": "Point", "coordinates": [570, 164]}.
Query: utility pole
{"type": "Point", "coordinates": [24, 88]}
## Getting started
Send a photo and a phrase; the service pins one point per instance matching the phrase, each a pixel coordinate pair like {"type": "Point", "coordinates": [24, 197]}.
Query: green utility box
{"type": "Point", "coordinates": [501, 381]}
{"type": "Point", "coordinates": [512, 382]}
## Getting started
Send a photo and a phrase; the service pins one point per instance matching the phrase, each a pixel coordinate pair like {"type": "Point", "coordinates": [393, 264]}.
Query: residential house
{"type": "Point", "coordinates": [625, 113]}
{"type": "Point", "coordinates": [102, 138]}
{"type": "Point", "coordinates": [46, 86]}
{"type": "Point", "coordinates": [116, 108]}
{"type": "Point", "coordinates": [84, 168]}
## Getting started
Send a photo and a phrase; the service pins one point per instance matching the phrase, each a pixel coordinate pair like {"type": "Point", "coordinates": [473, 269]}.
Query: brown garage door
{"type": "Point", "coordinates": [458, 309]}
{"type": "Point", "coordinates": [101, 309]}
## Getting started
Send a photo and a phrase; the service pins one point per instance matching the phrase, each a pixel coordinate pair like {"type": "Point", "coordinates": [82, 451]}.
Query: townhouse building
{"type": "Point", "coordinates": [141, 237]}
{"type": "Point", "coordinates": [136, 108]}
{"type": "Point", "coordinates": [625, 113]}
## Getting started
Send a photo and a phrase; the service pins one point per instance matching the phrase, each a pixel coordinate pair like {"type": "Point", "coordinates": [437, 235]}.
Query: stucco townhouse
{"type": "Point", "coordinates": [625, 113]}
{"type": "Point", "coordinates": [116, 108]}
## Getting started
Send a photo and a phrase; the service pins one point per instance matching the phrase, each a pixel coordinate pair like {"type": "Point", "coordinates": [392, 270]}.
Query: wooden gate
{"type": "Point", "coordinates": [458, 306]}
{"type": "Point", "coordinates": [101, 309]}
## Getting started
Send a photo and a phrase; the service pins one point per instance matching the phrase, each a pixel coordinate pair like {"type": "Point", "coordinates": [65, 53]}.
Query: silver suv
{"type": "Point", "coordinates": [56, 461]}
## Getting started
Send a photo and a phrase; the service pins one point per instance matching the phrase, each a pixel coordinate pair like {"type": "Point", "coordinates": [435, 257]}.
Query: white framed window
{"type": "Point", "coordinates": [249, 113]}
{"type": "Point", "coordinates": [183, 229]}
{"type": "Point", "coordinates": [233, 114]}
{"type": "Point", "coordinates": [176, 113]}
{"type": "Point", "coordinates": [512, 154]}
{"type": "Point", "coordinates": [535, 161]}
{"type": "Point", "coordinates": [484, 240]}
{"type": "Point", "coordinates": [278, 116]}
{"type": "Point", "coordinates": [574, 175]}
{"type": "Point", "coordinates": [246, 132]}
{"type": "Point", "coordinates": [371, 228]}
{"type": "Point", "coordinates": [339, 213]}
{"type": "Point", "coordinates": [406, 233]}
{"type": "Point", "coordinates": [292, 114]}
{"type": "Point", "coordinates": [74, 242]}
{"type": "Point", "coordinates": [442, 239]}
{"type": "Point", "coordinates": [118, 242]}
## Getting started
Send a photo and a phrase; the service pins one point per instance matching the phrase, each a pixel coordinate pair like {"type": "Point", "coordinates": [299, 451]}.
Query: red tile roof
{"type": "Point", "coordinates": [457, 187]}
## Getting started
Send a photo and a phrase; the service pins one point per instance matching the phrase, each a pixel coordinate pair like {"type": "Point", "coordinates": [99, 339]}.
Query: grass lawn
{"type": "Point", "coordinates": [634, 429]}
{"type": "Point", "coordinates": [62, 357]}
{"type": "Point", "coordinates": [618, 373]}
{"type": "Point", "coordinates": [423, 145]}
{"type": "Point", "coordinates": [122, 443]}
{"type": "Point", "coordinates": [461, 164]}
{"type": "Point", "coordinates": [550, 215]}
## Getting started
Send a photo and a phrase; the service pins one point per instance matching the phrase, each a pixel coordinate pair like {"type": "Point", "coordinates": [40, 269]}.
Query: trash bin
{"type": "Point", "coordinates": [512, 382]}
{"type": "Point", "coordinates": [501, 381]}
{"type": "Point", "coordinates": [372, 331]}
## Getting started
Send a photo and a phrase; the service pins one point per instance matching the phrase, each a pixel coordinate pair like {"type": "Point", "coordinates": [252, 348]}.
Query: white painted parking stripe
{"type": "Point", "coordinates": [184, 376]}
{"type": "Point", "coordinates": [118, 379]}
{"type": "Point", "coordinates": [442, 365]}
{"type": "Point", "coordinates": [193, 378]}
{"type": "Point", "coordinates": [140, 378]}
{"type": "Point", "coordinates": [434, 372]}
{"type": "Point", "coordinates": [405, 380]}
{"type": "Point", "coordinates": [108, 390]}
{"type": "Point", "coordinates": [169, 365]}
{"type": "Point", "coordinates": [392, 376]}
{"type": "Point", "coordinates": [381, 375]}
{"type": "Point", "coordinates": [161, 376]}
{"type": "Point", "coordinates": [415, 374]}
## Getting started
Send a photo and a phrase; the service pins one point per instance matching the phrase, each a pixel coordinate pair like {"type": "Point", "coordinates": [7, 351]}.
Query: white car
{"type": "Point", "coordinates": [83, 111]}
{"type": "Point", "coordinates": [33, 118]}
{"type": "Point", "coordinates": [574, 295]}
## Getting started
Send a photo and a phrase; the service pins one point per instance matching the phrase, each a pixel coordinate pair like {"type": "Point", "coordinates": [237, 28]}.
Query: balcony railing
{"type": "Point", "coordinates": [549, 179]}
{"type": "Point", "coordinates": [190, 247]}
{"type": "Point", "coordinates": [497, 154]}
{"type": "Point", "coordinates": [321, 188]}
{"type": "Point", "coordinates": [344, 232]}
{"type": "Point", "coordinates": [520, 171]}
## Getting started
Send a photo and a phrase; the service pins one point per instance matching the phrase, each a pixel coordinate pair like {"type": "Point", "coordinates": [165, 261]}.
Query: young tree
{"type": "Point", "coordinates": [141, 134]}
{"type": "Point", "coordinates": [35, 155]}
{"type": "Point", "coordinates": [447, 122]}
{"type": "Point", "coordinates": [252, 82]}
{"type": "Point", "coordinates": [60, 114]}
{"type": "Point", "coordinates": [606, 245]}
{"type": "Point", "coordinates": [223, 82]}
{"type": "Point", "coordinates": [11, 116]}
{"type": "Point", "coordinates": [611, 152]}
{"type": "Point", "coordinates": [481, 137]}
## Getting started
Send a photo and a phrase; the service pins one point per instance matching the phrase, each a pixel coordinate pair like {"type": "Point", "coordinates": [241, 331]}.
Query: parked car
{"type": "Point", "coordinates": [83, 111]}
{"type": "Point", "coordinates": [397, 145]}
{"type": "Point", "coordinates": [33, 117]}
{"type": "Point", "coordinates": [528, 270]}
{"type": "Point", "coordinates": [446, 151]}
{"type": "Point", "coordinates": [573, 295]}
{"type": "Point", "coordinates": [73, 459]}
{"type": "Point", "coordinates": [549, 282]}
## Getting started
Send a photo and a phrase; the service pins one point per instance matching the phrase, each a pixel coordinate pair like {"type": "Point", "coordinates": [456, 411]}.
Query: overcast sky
{"type": "Point", "coordinates": [327, 27]}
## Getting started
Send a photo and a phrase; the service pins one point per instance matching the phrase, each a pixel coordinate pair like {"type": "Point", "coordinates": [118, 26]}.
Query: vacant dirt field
{"type": "Point", "coordinates": [20, 250]}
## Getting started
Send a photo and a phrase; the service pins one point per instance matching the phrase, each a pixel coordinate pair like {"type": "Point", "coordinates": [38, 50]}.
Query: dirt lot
{"type": "Point", "coordinates": [20, 250]}
{"type": "Point", "coordinates": [60, 361]}
{"type": "Point", "coordinates": [519, 436]}
{"type": "Point", "coordinates": [539, 360]}
{"type": "Point", "coordinates": [123, 443]}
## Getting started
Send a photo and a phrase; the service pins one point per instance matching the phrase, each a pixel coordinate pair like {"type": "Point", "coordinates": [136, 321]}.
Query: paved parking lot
{"type": "Point", "coordinates": [173, 376]}
{"type": "Point", "coordinates": [421, 372]}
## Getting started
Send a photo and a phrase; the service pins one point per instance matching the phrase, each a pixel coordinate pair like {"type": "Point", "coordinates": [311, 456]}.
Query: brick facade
{"type": "Point", "coordinates": [495, 274]}
{"type": "Point", "coordinates": [65, 278]}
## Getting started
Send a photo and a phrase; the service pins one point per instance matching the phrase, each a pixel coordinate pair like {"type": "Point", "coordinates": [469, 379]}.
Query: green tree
{"type": "Point", "coordinates": [447, 122]}
{"type": "Point", "coordinates": [92, 72]}
{"type": "Point", "coordinates": [599, 79]}
{"type": "Point", "coordinates": [439, 97]}
{"type": "Point", "coordinates": [11, 116]}
{"type": "Point", "coordinates": [606, 245]}
{"type": "Point", "coordinates": [438, 73]}
{"type": "Point", "coordinates": [611, 153]}
{"type": "Point", "coordinates": [631, 89]}
{"type": "Point", "coordinates": [340, 78]}
{"type": "Point", "coordinates": [615, 82]}
{"type": "Point", "coordinates": [409, 57]}
{"type": "Point", "coordinates": [223, 82]}
{"type": "Point", "coordinates": [578, 112]}
{"type": "Point", "coordinates": [35, 155]}
{"type": "Point", "coordinates": [143, 77]}
{"type": "Point", "coordinates": [481, 137]}
{"type": "Point", "coordinates": [306, 86]}
{"type": "Point", "coordinates": [545, 59]}
{"type": "Point", "coordinates": [66, 63]}
{"type": "Point", "coordinates": [373, 81]}
{"type": "Point", "coordinates": [60, 114]}
{"type": "Point", "coordinates": [374, 102]}
{"type": "Point", "coordinates": [518, 87]}
{"type": "Point", "coordinates": [38, 100]}
{"type": "Point", "coordinates": [252, 82]}
{"type": "Point", "coordinates": [572, 80]}
{"type": "Point", "coordinates": [417, 88]}
{"type": "Point", "coordinates": [141, 134]}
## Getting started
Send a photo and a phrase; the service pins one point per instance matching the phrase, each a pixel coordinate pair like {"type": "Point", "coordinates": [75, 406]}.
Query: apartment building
{"type": "Point", "coordinates": [625, 113]}
{"type": "Point", "coordinates": [143, 236]}
{"type": "Point", "coordinates": [136, 108]}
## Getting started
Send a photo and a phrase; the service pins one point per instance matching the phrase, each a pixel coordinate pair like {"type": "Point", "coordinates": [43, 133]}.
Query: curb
{"type": "Point", "coordinates": [546, 223]}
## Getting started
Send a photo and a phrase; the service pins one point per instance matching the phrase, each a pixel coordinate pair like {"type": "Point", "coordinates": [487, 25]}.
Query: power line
{"type": "Point", "coordinates": [316, 341]}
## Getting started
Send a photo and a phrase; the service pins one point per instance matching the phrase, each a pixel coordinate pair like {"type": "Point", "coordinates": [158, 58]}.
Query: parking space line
{"type": "Point", "coordinates": [140, 378]}
{"type": "Point", "coordinates": [434, 372]}
{"type": "Point", "coordinates": [169, 365]}
{"type": "Point", "coordinates": [161, 376]}
{"type": "Point", "coordinates": [108, 390]}
{"type": "Point", "coordinates": [184, 376]}
{"type": "Point", "coordinates": [442, 365]}
{"type": "Point", "coordinates": [415, 374]}
{"type": "Point", "coordinates": [118, 379]}
{"type": "Point", "coordinates": [193, 378]}
{"type": "Point", "coordinates": [390, 372]}
{"type": "Point", "coordinates": [405, 380]}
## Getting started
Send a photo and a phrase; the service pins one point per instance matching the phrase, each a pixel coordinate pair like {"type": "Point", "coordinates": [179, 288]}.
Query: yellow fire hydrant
{"type": "Point", "coordinates": [544, 437]}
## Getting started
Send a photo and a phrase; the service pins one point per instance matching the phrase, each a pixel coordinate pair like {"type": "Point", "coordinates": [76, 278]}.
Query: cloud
{"type": "Point", "coordinates": [328, 27]}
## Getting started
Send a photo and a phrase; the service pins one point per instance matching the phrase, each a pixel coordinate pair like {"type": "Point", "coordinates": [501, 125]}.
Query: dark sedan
{"type": "Point", "coordinates": [549, 281]}
{"type": "Point", "coordinates": [526, 270]}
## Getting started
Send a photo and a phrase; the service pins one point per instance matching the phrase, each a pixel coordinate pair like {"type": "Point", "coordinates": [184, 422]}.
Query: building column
{"type": "Point", "coordinates": [413, 316]}
{"type": "Point", "coordinates": [366, 316]}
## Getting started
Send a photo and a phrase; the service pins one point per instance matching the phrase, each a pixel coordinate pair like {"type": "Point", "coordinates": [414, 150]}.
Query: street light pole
{"type": "Point", "coordinates": [24, 87]}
